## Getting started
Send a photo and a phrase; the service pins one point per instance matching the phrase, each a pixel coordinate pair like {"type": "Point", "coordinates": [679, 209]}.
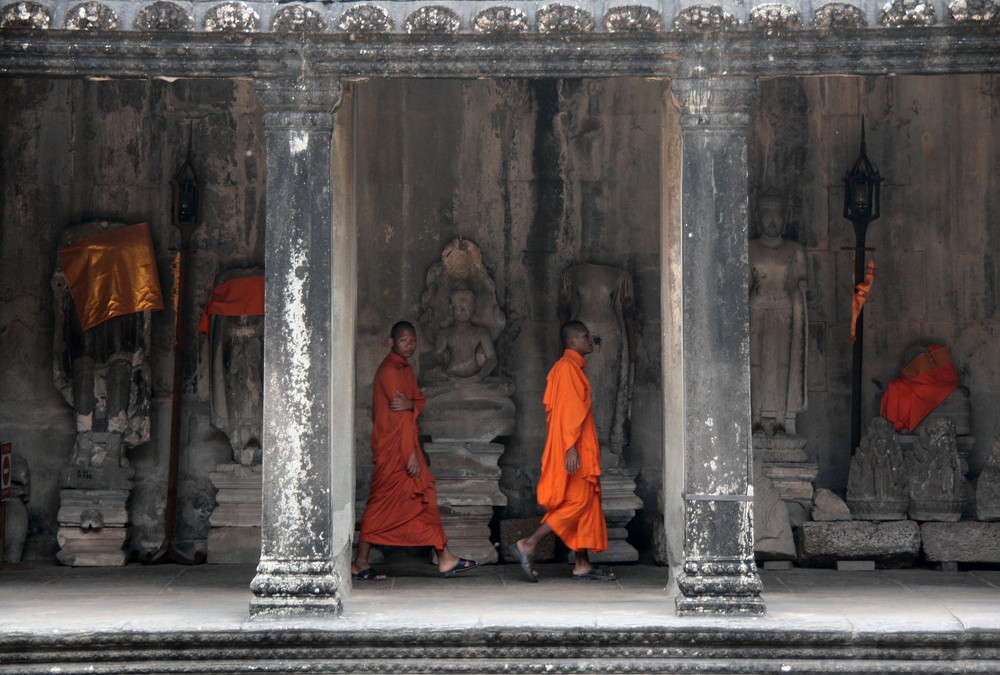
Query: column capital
{"type": "Point", "coordinates": [715, 102]}
{"type": "Point", "coordinates": [303, 102]}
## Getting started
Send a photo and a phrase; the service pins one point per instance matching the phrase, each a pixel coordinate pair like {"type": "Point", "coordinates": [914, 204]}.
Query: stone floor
{"type": "Point", "coordinates": [49, 609]}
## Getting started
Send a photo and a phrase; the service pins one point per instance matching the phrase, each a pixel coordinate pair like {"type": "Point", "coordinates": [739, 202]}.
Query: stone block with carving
{"type": "Point", "coordinates": [890, 544]}
{"type": "Point", "coordinates": [234, 533]}
{"type": "Point", "coordinates": [938, 488]}
{"type": "Point", "coordinates": [988, 487]}
{"type": "Point", "coordinates": [878, 483]}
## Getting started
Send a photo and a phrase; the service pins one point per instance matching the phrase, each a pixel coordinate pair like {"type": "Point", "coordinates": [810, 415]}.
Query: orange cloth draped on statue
{"type": "Point", "coordinates": [401, 511]}
{"type": "Point", "coordinates": [925, 382]}
{"type": "Point", "coordinates": [572, 501]}
{"type": "Point", "coordinates": [243, 296]}
{"type": "Point", "coordinates": [112, 274]}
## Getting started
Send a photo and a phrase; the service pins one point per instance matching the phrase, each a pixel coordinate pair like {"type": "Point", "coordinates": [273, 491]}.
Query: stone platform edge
{"type": "Point", "coordinates": [274, 647]}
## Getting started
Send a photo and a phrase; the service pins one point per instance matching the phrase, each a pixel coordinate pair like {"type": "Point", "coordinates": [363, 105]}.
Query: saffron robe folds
{"type": "Point", "coordinates": [572, 501]}
{"type": "Point", "coordinates": [922, 386]}
{"type": "Point", "coordinates": [401, 511]}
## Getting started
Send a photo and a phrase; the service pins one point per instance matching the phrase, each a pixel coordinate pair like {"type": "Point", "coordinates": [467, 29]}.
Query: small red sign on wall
{"type": "Point", "coordinates": [4, 471]}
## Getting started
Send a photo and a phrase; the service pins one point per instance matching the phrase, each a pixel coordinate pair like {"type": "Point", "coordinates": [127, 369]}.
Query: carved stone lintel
{"type": "Point", "coordinates": [564, 19]}
{"type": "Point", "coordinates": [633, 19]}
{"type": "Point", "coordinates": [297, 18]}
{"type": "Point", "coordinates": [704, 18]}
{"type": "Point", "coordinates": [720, 103]}
{"type": "Point", "coordinates": [91, 15]}
{"type": "Point", "coordinates": [163, 15]}
{"type": "Point", "coordinates": [839, 15]}
{"type": "Point", "coordinates": [289, 587]}
{"type": "Point", "coordinates": [232, 17]}
{"type": "Point", "coordinates": [501, 20]}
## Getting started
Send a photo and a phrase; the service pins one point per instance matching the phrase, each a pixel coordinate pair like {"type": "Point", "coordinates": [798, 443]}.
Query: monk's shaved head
{"type": "Point", "coordinates": [401, 327]}
{"type": "Point", "coordinates": [570, 330]}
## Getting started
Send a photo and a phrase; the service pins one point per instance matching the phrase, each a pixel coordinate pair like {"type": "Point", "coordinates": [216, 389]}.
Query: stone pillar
{"type": "Point", "coordinates": [297, 571]}
{"type": "Point", "coordinates": [719, 575]}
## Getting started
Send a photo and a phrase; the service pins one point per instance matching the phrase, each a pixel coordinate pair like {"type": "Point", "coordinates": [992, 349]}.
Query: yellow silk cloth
{"type": "Point", "coordinates": [112, 274]}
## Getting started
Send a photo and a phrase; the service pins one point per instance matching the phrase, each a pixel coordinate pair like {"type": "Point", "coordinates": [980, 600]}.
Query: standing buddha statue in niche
{"type": "Point", "coordinates": [778, 323]}
{"type": "Point", "coordinates": [602, 297]}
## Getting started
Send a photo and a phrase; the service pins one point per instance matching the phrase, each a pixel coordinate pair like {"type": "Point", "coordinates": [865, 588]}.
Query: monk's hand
{"type": "Point", "coordinates": [413, 466]}
{"type": "Point", "coordinates": [400, 402]}
{"type": "Point", "coordinates": [572, 460]}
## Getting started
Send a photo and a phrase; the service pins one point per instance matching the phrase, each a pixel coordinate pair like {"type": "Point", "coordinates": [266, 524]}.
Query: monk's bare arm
{"type": "Point", "coordinates": [400, 402]}
{"type": "Point", "coordinates": [572, 460]}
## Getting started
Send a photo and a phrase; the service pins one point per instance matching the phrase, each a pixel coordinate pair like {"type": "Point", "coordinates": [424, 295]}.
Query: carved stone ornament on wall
{"type": "Point", "coordinates": [633, 19]}
{"type": "Point", "coordinates": [365, 19]}
{"type": "Point", "coordinates": [91, 15]}
{"type": "Point", "coordinates": [975, 11]}
{"type": "Point", "coordinates": [899, 13]}
{"type": "Point", "coordinates": [560, 18]}
{"type": "Point", "coordinates": [839, 15]}
{"type": "Point", "coordinates": [703, 18]}
{"type": "Point", "coordinates": [774, 16]}
{"type": "Point", "coordinates": [232, 17]}
{"type": "Point", "coordinates": [25, 15]}
{"type": "Point", "coordinates": [433, 19]}
{"type": "Point", "coordinates": [163, 15]}
{"type": "Point", "coordinates": [500, 20]}
{"type": "Point", "coordinates": [297, 19]}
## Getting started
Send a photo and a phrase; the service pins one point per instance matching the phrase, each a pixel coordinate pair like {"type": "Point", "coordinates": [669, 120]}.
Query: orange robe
{"type": "Point", "coordinates": [922, 386]}
{"type": "Point", "coordinates": [572, 501]}
{"type": "Point", "coordinates": [402, 511]}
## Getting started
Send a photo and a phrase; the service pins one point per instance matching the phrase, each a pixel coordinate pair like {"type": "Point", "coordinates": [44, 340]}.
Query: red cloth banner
{"type": "Point", "coordinates": [237, 297]}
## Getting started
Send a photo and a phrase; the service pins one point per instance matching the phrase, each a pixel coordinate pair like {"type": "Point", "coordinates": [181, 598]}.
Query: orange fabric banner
{"type": "Point", "coordinates": [112, 274]}
{"type": "Point", "coordinates": [237, 297]}
{"type": "Point", "coordinates": [924, 383]}
{"type": "Point", "coordinates": [859, 296]}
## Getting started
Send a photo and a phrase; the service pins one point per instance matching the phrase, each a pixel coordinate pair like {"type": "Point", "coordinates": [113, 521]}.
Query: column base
{"type": "Point", "coordinates": [719, 589]}
{"type": "Point", "coordinates": [291, 588]}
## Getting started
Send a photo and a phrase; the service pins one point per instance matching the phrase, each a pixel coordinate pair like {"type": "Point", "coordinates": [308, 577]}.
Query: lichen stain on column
{"type": "Point", "coordinates": [295, 426]}
{"type": "Point", "coordinates": [298, 141]}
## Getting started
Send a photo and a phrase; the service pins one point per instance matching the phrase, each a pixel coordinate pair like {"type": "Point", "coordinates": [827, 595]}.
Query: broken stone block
{"type": "Point", "coordinates": [772, 531]}
{"type": "Point", "coordinates": [878, 484]}
{"type": "Point", "coordinates": [965, 541]}
{"type": "Point", "coordinates": [894, 543]}
{"type": "Point", "coordinates": [938, 489]}
{"type": "Point", "coordinates": [988, 487]}
{"type": "Point", "coordinates": [828, 506]}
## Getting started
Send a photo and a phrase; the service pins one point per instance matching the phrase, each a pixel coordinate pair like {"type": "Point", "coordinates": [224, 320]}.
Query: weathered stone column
{"type": "Point", "coordinates": [719, 575]}
{"type": "Point", "coordinates": [296, 573]}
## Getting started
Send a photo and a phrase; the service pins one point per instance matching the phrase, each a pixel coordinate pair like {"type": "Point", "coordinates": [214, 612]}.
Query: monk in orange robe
{"type": "Point", "coordinates": [570, 486]}
{"type": "Point", "coordinates": [402, 505]}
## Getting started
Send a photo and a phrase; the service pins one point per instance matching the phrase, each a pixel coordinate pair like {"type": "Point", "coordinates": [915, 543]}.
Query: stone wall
{"type": "Point", "coordinates": [935, 141]}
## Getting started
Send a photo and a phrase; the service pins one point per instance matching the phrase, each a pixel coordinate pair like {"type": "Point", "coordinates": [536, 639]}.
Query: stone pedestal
{"type": "Point", "coordinates": [620, 503]}
{"type": "Point", "coordinates": [92, 527]}
{"type": "Point", "coordinates": [234, 535]}
{"type": "Point", "coordinates": [786, 463]}
{"type": "Point", "coordinates": [468, 486]}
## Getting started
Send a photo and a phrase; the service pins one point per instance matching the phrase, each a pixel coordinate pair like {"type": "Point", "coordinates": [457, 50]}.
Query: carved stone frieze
{"type": "Point", "coordinates": [633, 19]}
{"type": "Point", "coordinates": [91, 15]}
{"type": "Point", "coordinates": [839, 15]}
{"type": "Point", "coordinates": [704, 18]}
{"type": "Point", "coordinates": [365, 19]}
{"type": "Point", "coordinates": [433, 19]}
{"type": "Point", "coordinates": [297, 19]}
{"type": "Point", "coordinates": [500, 20]}
{"type": "Point", "coordinates": [163, 15]}
{"type": "Point", "coordinates": [564, 19]}
{"type": "Point", "coordinates": [974, 11]}
{"type": "Point", "coordinates": [900, 13]}
{"type": "Point", "coordinates": [25, 15]}
{"type": "Point", "coordinates": [232, 17]}
{"type": "Point", "coordinates": [774, 16]}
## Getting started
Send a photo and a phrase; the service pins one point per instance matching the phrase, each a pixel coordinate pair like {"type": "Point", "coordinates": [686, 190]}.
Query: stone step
{"type": "Point", "coordinates": [713, 649]}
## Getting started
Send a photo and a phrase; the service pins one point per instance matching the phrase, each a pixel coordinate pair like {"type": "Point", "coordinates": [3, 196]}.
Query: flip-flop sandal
{"type": "Point", "coordinates": [525, 560]}
{"type": "Point", "coordinates": [370, 574]}
{"type": "Point", "coordinates": [461, 566]}
{"type": "Point", "coordinates": [597, 574]}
